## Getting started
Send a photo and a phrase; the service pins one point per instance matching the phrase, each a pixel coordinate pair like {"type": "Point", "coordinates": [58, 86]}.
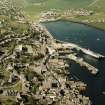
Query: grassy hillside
{"type": "Point", "coordinates": [36, 6]}
{"type": "Point", "coordinates": [98, 5]}
{"type": "Point", "coordinates": [33, 8]}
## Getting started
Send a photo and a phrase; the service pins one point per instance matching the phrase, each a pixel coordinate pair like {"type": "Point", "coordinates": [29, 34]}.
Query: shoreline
{"type": "Point", "coordinates": [60, 44]}
{"type": "Point", "coordinates": [61, 19]}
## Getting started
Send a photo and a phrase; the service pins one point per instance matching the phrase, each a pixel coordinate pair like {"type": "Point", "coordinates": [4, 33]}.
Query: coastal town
{"type": "Point", "coordinates": [71, 14]}
{"type": "Point", "coordinates": [35, 67]}
{"type": "Point", "coordinates": [32, 69]}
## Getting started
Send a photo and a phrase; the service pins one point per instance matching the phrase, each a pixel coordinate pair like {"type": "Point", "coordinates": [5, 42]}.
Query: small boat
{"type": "Point", "coordinates": [103, 92]}
{"type": "Point", "coordinates": [98, 39]}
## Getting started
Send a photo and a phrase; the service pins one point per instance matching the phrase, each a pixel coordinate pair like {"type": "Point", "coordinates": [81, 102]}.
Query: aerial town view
{"type": "Point", "coordinates": [52, 52]}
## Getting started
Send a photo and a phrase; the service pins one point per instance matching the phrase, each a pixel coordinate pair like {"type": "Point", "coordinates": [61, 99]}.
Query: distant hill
{"type": "Point", "coordinates": [98, 5]}
{"type": "Point", "coordinates": [71, 3]}
{"type": "Point", "coordinates": [33, 7]}
{"type": "Point", "coordinates": [63, 4]}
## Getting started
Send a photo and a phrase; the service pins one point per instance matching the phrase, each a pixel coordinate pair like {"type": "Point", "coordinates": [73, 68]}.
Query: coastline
{"type": "Point", "coordinates": [62, 19]}
{"type": "Point", "coordinates": [60, 70]}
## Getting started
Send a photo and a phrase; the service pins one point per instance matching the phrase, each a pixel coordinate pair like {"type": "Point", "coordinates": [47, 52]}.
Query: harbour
{"type": "Point", "coordinates": [86, 37]}
{"type": "Point", "coordinates": [69, 54]}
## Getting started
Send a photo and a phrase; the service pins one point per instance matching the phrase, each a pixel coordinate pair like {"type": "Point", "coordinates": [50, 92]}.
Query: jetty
{"type": "Point", "coordinates": [83, 50]}
{"type": "Point", "coordinates": [82, 63]}
{"type": "Point", "coordinates": [72, 45]}
{"type": "Point", "coordinates": [66, 51]}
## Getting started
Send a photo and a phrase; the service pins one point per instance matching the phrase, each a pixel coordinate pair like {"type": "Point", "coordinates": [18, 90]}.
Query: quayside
{"type": "Point", "coordinates": [89, 38]}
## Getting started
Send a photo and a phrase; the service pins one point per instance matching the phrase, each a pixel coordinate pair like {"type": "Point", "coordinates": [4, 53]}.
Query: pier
{"type": "Point", "coordinates": [82, 63]}
{"type": "Point", "coordinates": [84, 50]}
{"type": "Point", "coordinates": [87, 51]}
{"type": "Point", "coordinates": [77, 47]}
{"type": "Point", "coordinates": [65, 51]}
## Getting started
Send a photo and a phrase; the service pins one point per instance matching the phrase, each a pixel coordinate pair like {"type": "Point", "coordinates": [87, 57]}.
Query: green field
{"type": "Point", "coordinates": [36, 6]}
{"type": "Point", "coordinates": [33, 8]}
